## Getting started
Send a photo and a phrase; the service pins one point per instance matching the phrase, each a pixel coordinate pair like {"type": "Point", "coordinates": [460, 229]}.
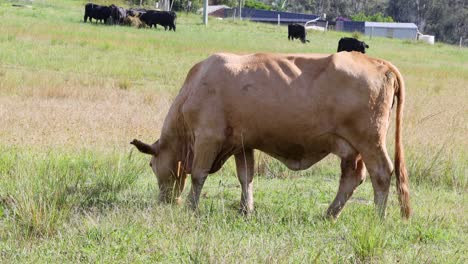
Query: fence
{"type": "Point", "coordinates": [258, 15]}
{"type": "Point", "coordinates": [350, 26]}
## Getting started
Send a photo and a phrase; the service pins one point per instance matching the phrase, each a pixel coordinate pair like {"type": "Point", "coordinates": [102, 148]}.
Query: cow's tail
{"type": "Point", "coordinates": [402, 182]}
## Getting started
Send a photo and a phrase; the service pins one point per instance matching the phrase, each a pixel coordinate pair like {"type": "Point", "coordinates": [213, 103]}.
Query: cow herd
{"type": "Point", "coordinates": [138, 17]}
{"type": "Point", "coordinates": [298, 31]}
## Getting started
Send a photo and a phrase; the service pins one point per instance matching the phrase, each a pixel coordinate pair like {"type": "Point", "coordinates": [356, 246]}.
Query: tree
{"type": "Point", "coordinates": [447, 20]}
{"type": "Point", "coordinates": [257, 5]}
{"type": "Point", "coordinates": [378, 17]}
{"type": "Point", "coordinates": [402, 10]}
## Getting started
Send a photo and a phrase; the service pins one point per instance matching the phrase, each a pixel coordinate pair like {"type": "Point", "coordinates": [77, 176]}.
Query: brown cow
{"type": "Point", "coordinates": [298, 108]}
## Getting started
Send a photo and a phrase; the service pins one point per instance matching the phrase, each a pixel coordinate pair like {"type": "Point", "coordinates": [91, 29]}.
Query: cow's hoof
{"type": "Point", "coordinates": [246, 212]}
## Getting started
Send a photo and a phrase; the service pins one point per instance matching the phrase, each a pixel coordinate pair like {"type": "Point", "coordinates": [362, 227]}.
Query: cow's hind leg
{"type": "Point", "coordinates": [245, 171]}
{"type": "Point", "coordinates": [352, 175]}
{"type": "Point", "coordinates": [380, 169]}
{"type": "Point", "coordinates": [205, 152]}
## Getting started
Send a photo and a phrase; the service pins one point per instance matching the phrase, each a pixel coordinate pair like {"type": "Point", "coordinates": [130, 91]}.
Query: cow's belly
{"type": "Point", "coordinates": [300, 163]}
{"type": "Point", "coordinates": [295, 152]}
{"type": "Point", "coordinates": [298, 153]}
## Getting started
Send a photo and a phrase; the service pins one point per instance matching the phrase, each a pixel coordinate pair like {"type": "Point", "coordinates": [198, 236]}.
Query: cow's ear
{"type": "Point", "coordinates": [367, 46]}
{"type": "Point", "coordinates": [145, 148]}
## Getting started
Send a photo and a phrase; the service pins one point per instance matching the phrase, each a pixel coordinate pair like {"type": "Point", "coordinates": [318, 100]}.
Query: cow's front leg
{"type": "Point", "coordinates": [198, 180]}
{"type": "Point", "coordinates": [205, 152]}
{"type": "Point", "coordinates": [245, 171]}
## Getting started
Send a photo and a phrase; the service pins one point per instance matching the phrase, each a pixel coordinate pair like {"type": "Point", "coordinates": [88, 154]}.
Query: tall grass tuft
{"type": "Point", "coordinates": [356, 35]}
{"type": "Point", "coordinates": [368, 238]}
{"type": "Point", "coordinates": [438, 165]}
{"type": "Point", "coordinates": [39, 191]}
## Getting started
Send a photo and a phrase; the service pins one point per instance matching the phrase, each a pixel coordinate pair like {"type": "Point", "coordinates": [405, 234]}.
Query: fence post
{"type": "Point", "coordinates": [205, 12]}
{"type": "Point", "coordinates": [461, 41]}
{"type": "Point", "coordinates": [279, 19]}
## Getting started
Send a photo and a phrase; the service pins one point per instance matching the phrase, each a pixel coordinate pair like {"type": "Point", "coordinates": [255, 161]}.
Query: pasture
{"type": "Point", "coordinates": [72, 189]}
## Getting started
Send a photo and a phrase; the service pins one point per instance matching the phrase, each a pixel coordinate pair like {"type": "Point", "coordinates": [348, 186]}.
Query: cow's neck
{"type": "Point", "coordinates": [178, 139]}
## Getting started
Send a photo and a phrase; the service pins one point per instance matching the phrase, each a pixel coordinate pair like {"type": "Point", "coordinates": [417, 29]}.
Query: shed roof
{"type": "Point", "coordinates": [213, 8]}
{"type": "Point", "coordinates": [391, 25]}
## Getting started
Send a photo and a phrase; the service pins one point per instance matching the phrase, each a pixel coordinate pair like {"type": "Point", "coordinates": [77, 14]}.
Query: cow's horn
{"type": "Point", "coordinates": [144, 148]}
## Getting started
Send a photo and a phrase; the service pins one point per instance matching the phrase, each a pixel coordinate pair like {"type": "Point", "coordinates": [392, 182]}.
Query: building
{"type": "Point", "coordinates": [391, 30]}
{"type": "Point", "coordinates": [350, 26]}
{"type": "Point", "coordinates": [216, 10]}
{"type": "Point", "coordinates": [259, 15]}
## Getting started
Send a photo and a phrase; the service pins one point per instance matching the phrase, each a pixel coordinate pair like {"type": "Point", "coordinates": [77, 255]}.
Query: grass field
{"type": "Point", "coordinates": [72, 96]}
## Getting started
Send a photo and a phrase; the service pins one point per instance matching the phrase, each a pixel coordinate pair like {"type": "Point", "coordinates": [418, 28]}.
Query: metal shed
{"type": "Point", "coordinates": [350, 26]}
{"type": "Point", "coordinates": [391, 30]}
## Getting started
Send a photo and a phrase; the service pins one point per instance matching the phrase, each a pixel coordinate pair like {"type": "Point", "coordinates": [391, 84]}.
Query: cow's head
{"type": "Point", "coordinates": [168, 170]}
{"type": "Point", "coordinates": [363, 47]}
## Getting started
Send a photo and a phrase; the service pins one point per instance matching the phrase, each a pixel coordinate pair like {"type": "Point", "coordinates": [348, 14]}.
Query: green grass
{"type": "Point", "coordinates": [72, 95]}
{"type": "Point", "coordinates": [68, 207]}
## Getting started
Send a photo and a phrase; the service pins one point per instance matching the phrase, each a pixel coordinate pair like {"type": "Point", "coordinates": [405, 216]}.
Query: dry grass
{"type": "Point", "coordinates": [59, 119]}
{"type": "Point", "coordinates": [50, 109]}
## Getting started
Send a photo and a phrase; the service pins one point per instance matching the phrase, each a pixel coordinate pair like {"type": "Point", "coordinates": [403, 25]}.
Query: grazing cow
{"type": "Point", "coordinates": [352, 44]}
{"type": "Point", "coordinates": [118, 14]}
{"type": "Point", "coordinates": [298, 108]}
{"type": "Point", "coordinates": [100, 13]}
{"type": "Point", "coordinates": [163, 18]}
{"type": "Point", "coordinates": [136, 12]}
{"type": "Point", "coordinates": [297, 31]}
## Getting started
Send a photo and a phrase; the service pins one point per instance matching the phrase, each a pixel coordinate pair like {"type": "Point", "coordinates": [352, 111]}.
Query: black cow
{"type": "Point", "coordinates": [118, 14]}
{"type": "Point", "coordinates": [100, 13]}
{"type": "Point", "coordinates": [163, 18]}
{"type": "Point", "coordinates": [352, 44]}
{"type": "Point", "coordinates": [136, 12]}
{"type": "Point", "coordinates": [297, 31]}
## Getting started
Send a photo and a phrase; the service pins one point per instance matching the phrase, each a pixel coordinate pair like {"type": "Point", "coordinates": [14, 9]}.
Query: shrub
{"type": "Point", "coordinates": [377, 17]}
{"type": "Point", "coordinates": [256, 4]}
